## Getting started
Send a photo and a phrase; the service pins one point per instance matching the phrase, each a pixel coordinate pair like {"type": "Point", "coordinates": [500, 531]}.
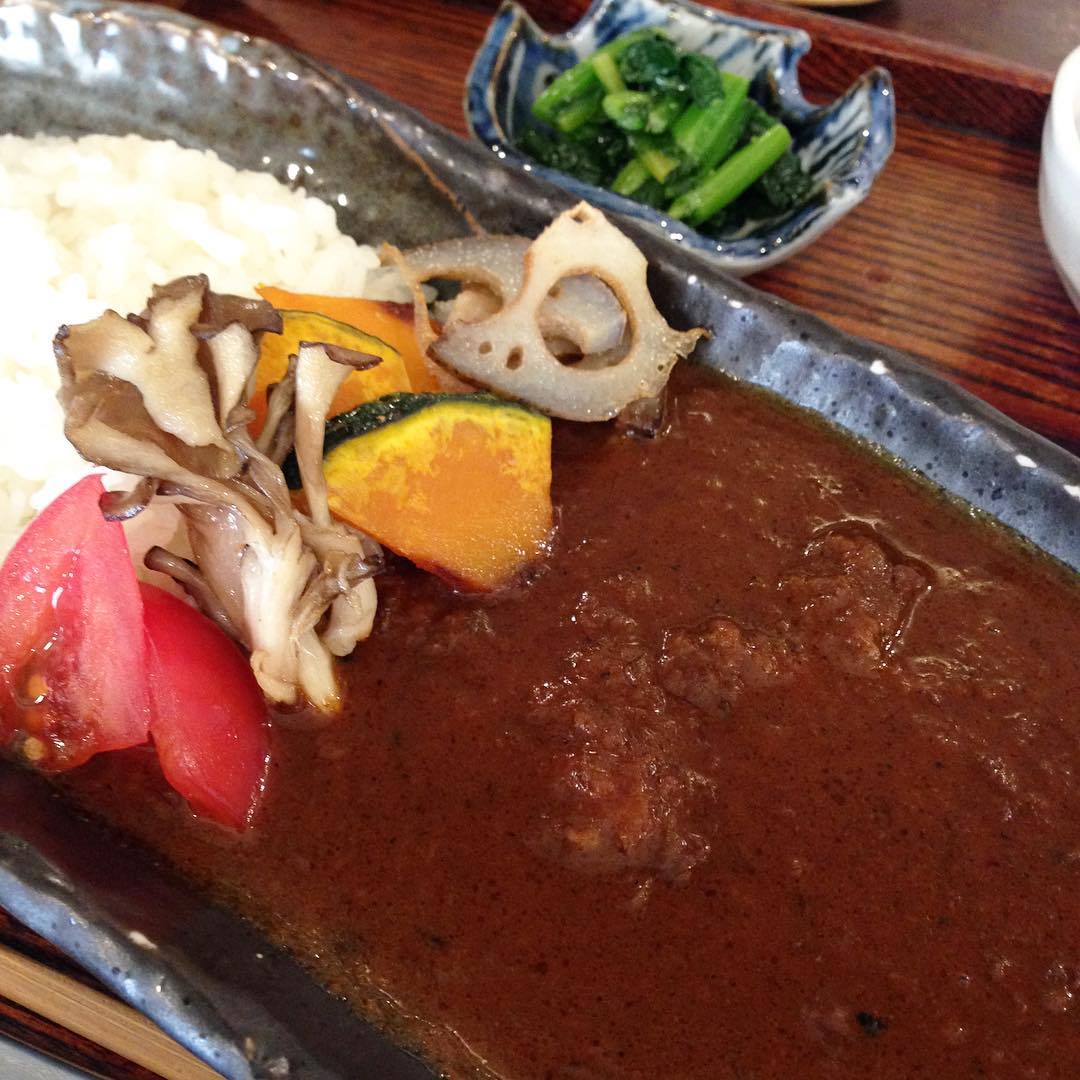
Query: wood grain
{"type": "Point", "coordinates": [45, 1036]}
{"type": "Point", "coordinates": [92, 1015]}
{"type": "Point", "coordinates": [945, 259]}
{"type": "Point", "coordinates": [1038, 34]}
{"type": "Point", "coordinates": [976, 296]}
{"type": "Point", "coordinates": [26, 1027]}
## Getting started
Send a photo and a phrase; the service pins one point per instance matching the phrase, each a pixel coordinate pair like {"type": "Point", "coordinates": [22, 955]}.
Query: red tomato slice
{"type": "Point", "coordinates": [209, 718]}
{"type": "Point", "coordinates": [72, 644]}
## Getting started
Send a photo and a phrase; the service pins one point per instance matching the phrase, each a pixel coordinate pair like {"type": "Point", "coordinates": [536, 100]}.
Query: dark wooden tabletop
{"type": "Point", "coordinates": [1036, 33]}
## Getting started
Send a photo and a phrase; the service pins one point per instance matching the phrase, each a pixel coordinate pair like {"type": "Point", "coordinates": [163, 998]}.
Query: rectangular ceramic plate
{"type": "Point", "coordinates": [66, 68]}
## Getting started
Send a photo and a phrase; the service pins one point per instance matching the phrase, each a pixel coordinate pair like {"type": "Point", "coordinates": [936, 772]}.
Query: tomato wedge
{"type": "Point", "coordinates": [72, 644]}
{"type": "Point", "coordinates": [90, 660]}
{"type": "Point", "coordinates": [208, 719]}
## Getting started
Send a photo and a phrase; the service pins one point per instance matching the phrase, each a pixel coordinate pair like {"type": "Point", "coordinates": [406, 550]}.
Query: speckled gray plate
{"type": "Point", "coordinates": [200, 972]}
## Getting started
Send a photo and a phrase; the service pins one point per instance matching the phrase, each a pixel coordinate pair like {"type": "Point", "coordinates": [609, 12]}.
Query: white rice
{"type": "Point", "coordinates": [94, 223]}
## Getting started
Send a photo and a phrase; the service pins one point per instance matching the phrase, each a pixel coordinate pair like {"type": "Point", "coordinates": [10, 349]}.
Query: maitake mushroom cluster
{"type": "Point", "coordinates": [162, 395]}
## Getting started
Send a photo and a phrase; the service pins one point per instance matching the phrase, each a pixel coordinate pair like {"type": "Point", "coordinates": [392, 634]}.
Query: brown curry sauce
{"type": "Point", "coordinates": [771, 772]}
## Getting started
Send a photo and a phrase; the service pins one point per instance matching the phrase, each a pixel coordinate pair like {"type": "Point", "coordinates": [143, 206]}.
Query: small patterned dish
{"type": "Point", "coordinates": [843, 145]}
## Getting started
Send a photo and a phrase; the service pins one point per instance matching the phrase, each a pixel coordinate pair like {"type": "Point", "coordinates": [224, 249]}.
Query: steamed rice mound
{"type": "Point", "coordinates": [93, 223]}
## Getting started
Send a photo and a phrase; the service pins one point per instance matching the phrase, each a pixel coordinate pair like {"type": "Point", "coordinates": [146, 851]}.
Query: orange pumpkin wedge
{"type": "Point", "coordinates": [387, 377]}
{"type": "Point", "coordinates": [458, 484]}
{"type": "Point", "coordinates": [391, 323]}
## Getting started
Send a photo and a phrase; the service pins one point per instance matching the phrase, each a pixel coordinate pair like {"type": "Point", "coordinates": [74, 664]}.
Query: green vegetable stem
{"type": "Point", "coordinates": [628, 109]}
{"type": "Point", "coordinates": [578, 113]}
{"type": "Point", "coordinates": [706, 134]}
{"type": "Point", "coordinates": [726, 183]}
{"type": "Point", "coordinates": [652, 154]}
{"type": "Point", "coordinates": [607, 71]}
{"type": "Point", "coordinates": [630, 178]}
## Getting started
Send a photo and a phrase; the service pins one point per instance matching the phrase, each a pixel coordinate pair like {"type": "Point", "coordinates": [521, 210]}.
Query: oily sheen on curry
{"type": "Point", "coordinates": [767, 773]}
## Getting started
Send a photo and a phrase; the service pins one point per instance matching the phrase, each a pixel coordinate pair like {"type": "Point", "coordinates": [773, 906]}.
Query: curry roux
{"type": "Point", "coordinates": [771, 772]}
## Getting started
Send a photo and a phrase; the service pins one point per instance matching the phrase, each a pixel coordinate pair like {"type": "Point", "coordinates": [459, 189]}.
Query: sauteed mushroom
{"type": "Point", "coordinates": [161, 395]}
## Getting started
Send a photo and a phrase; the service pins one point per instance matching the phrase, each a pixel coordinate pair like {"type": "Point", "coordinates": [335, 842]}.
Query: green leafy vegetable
{"type": "Point", "coordinates": [665, 109]}
{"type": "Point", "coordinates": [582, 79]}
{"type": "Point", "coordinates": [593, 155]}
{"type": "Point", "coordinates": [706, 134]}
{"type": "Point", "coordinates": [781, 188]}
{"type": "Point", "coordinates": [702, 78]}
{"type": "Point", "coordinates": [650, 62]}
{"type": "Point", "coordinates": [786, 185]}
{"type": "Point", "coordinates": [651, 193]}
{"type": "Point", "coordinates": [758, 121]}
{"type": "Point", "coordinates": [668, 129]}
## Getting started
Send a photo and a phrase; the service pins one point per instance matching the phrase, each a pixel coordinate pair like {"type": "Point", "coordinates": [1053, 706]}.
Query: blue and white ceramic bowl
{"type": "Point", "coordinates": [843, 145]}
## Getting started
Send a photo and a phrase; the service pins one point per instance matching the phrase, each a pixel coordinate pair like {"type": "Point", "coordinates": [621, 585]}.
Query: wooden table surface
{"type": "Point", "coordinates": [945, 259]}
{"type": "Point", "coordinates": [1037, 33]}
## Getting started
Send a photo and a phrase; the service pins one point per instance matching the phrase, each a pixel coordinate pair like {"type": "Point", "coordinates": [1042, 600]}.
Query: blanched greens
{"type": "Point", "coordinates": [670, 130]}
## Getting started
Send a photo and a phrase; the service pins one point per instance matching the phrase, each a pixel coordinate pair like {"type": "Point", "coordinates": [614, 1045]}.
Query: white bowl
{"type": "Point", "coordinates": [1059, 177]}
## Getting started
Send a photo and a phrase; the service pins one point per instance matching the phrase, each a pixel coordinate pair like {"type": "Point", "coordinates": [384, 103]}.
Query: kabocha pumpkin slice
{"type": "Point", "coordinates": [298, 326]}
{"type": "Point", "coordinates": [391, 323]}
{"type": "Point", "coordinates": [458, 484]}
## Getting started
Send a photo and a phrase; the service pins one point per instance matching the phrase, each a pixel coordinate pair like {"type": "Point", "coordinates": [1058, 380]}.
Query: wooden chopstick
{"type": "Point", "coordinates": [97, 1017]}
